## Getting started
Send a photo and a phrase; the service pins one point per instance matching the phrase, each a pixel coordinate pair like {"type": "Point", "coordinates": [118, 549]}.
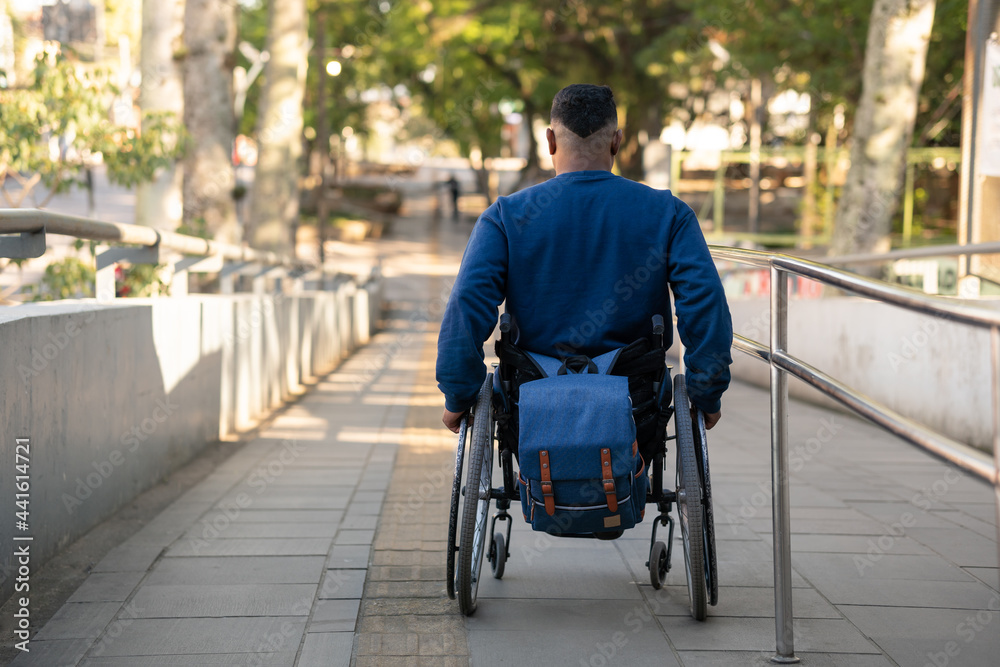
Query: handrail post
{"type": "Point", "coordinates": [784, 632]}
{"type": "Point", "coordinates": [995, 376]}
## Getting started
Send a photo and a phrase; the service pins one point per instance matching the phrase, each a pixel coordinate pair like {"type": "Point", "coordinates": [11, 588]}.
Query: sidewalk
{"type": "Point", "coordinates": [334, 553]}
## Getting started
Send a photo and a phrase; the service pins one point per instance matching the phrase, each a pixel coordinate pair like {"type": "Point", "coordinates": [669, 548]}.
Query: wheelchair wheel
{"type": "Point", "coordinates": [498, 555]}
{"type": "Point", "coordinates": [689, 502]}
{"type": "Point", "coordinates": [476, 507]}
{"type": "Point", "coordinates": [456, 496]}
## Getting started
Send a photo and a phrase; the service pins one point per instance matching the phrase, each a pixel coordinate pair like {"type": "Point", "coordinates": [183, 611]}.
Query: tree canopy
{"type": "Point", "coordinates": [56, 124]}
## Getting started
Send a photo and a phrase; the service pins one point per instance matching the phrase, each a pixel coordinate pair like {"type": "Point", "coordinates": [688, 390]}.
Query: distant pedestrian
{"type": "Point", "coordinates": [454, 189]}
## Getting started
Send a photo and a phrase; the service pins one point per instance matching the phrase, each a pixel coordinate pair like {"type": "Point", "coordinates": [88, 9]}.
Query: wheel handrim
{"type": "Point", "coordinates": [475, 508]}
{"type": "Point", "coordinates": [682, 516]}
{"type": "Point", "coordinates": [482, 518]}
{"type": "Point", "coordinates": [689, 504]}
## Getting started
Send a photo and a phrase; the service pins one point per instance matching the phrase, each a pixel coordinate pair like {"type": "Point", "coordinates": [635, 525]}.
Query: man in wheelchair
{"type": "Point", "coordinates": [582, 395]}
{"type": "Point", "coordinates": [583, 260]}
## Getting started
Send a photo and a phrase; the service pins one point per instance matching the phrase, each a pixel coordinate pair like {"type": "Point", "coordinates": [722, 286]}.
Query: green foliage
{"type": "Point", "coordinates": [819, 47]}
{"type": "Point", "coordinates": [251, 27]}
{"type": "Point", "coordinates": [816, 47]}
{"type": "Point", "coordinates": [461, 63]}
{"type": "Point", "coordinates": [140, 280]}
{"type": "Point", "coordinates": [197, 227]}
{"type": "Point", "coordinates": [465, 60]}
{"type": "Point", "coordinates": [939, 118]}
{"type": "Point", "coordinates": [68, 278]}
{"type": "Point", "coordinates": [58, 124]}
{"type": "Point", "coordinates": [73, 278]}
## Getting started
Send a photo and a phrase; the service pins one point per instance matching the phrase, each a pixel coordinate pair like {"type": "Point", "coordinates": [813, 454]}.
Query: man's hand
{"type": "Point", "coordinates": [712, 419]}
{"type": "Point", "coordinates": [453, 420]}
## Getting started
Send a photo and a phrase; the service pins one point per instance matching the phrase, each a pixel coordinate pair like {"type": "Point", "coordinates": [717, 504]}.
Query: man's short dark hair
{"type": "Point", "coordinates": [584, 108]}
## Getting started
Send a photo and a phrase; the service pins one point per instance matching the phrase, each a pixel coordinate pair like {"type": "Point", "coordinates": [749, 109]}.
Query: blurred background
{"type": "Point", "coordinates": [288, 124]}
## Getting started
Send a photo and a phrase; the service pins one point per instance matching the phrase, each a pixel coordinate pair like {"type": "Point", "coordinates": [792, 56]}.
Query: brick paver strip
{"type": "Point", "coordinates": [406, 617]}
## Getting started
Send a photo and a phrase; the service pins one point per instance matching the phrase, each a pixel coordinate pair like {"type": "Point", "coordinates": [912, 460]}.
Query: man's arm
{"type": "Point", "coordinates": [470, 316]}
{"type": "Point", "coordinates": [703, 320]}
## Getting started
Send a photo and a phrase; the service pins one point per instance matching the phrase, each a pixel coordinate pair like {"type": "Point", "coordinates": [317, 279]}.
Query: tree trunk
{"type": "Point", "coordinates": [895, 58]}
{"type": "Point", "coordinates": [320, 161]}
{"type": "Point", "coordinates": [533, 166]}
{"type": "Point", "coordinates": [641, 116]}
{"type": "Point", "coordinates": [159, 203]}
{"type": "Point", "coordinates": [532, 172]}
{"type": "Point", "coordinates": [630, 154]}
{"type": "Point", "coordinates": [274, 201]}
{"type": "Point", "coordinates": [210, 41]}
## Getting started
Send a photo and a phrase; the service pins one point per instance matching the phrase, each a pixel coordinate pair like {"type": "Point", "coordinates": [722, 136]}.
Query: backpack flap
{"type": "Point", "coordinates": [584, 425]}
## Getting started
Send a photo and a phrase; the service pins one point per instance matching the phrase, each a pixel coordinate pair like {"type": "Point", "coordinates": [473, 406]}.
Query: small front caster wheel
{"type": "Point", "coordinates": [498, 555]}
{"type": "Point", "coordinates": [658, 565]}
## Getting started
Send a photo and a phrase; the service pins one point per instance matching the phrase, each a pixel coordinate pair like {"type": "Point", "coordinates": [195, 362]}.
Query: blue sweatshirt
{"type": "Point", "coordinates": [584, 260]}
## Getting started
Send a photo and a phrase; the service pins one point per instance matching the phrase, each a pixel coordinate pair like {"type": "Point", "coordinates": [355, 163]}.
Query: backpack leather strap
{"type": "Point", "coordinates": [547, 495]}
{"type": "Point", "coordinates": [608, 479]}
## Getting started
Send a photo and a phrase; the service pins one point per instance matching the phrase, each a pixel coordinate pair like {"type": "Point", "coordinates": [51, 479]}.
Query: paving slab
{"type": "Point", "coordinates": [763, 659]}
{"type": "Point", "coordinates": [186, 636]}
{"type": "Point", "coordinates": [742, 602]}
{"type": "Point", "coordinates": [326, 649]}
{"type": "Point", "coordinates": [54, 652]}
{"type": "Point", "coordinates": [913, 636]}
{"type": "Point", "coordinates": [811, 635]}
{"type": "Point", "coordinates": [195, 546]}
{"type": "Point", "coordinates": [79, 620]}
{"type": "Point", "coordinates": [342, 583]}
{"type": "Point", "coordinates": [337, 616]}
{"type": "Point", "coordinates": [218, 600]}
{"type": "Point", "coordinates": [902, 567]}
{"type": "Point", "coordinates": [988, 575]}
{"type": "Point", "coordinates": [107, 587]}
{"type": "Point", "coordinates": [264, 530]}
{"type": "Point", "coordinates": [543, 630]}
{"type": "Point", "coordinates": [237, 570]}
{"type": "Point", "coordinates": [349, 557]}
{"type": "Point", "coordinates": [276, 659]}
{"type": "Point", "coordinates": [969, 594]}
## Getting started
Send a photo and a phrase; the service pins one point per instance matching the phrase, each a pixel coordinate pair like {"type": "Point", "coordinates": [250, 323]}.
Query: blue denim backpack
{"type": "Point", "coordinates": [580, 468]}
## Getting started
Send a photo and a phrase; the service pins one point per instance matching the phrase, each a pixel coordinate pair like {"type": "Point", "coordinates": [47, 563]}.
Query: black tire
{"type": "Point", "coordinates": [711, 560]}
{"type": "Point", "coordinates": [658, 565]}
{"type": "Point", "coordinates": [476, 506]}
{"type": "Point", "coordinates": [498, 556]}
{"type": "Point", "coordinates": [456, 497]}
{"type": "Point", "coordinates": [689, 502]}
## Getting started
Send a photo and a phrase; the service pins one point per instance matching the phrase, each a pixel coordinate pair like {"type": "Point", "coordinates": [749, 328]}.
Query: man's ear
{"type": "Point", "coordinates": [616, 142]}
{"type": "Point", "coordinates": [550, 137]}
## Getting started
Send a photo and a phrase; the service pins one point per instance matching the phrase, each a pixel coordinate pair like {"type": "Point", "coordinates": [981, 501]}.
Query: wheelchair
{"type": "Point", "coordinates": [470, 523]}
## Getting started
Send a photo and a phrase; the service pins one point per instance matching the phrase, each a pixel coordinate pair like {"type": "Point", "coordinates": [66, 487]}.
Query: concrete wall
{"type": "Point", "coordinates": [929, 369]}
{"type": "Point", "coordinates": [113, 397]}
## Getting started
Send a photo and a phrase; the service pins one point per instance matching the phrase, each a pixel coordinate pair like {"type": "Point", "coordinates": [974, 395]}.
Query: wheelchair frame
{"type": "Point", "coordinates": [467, 526]}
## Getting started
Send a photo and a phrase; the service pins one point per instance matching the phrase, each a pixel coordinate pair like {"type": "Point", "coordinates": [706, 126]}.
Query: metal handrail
{"type": "Point", "coordinates": [782, 364]}
{"type": "Point", "coordinates": [869, 287]}
{"type": "Point", "coordinates": [29, 221]}
{"type": "Point", "coordinates": [954, 250]}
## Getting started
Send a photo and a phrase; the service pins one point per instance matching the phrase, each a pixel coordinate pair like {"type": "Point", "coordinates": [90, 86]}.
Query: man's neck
{"type": "Point", "coordinates": [580, 164]}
